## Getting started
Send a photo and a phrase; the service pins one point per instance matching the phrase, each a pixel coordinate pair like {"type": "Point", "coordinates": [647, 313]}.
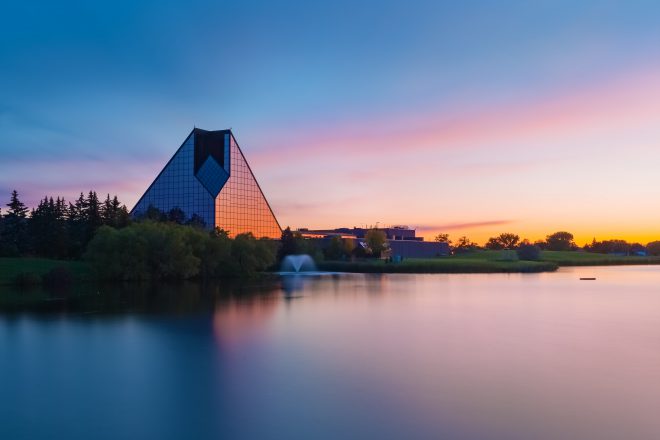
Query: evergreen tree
{"type": "Point", "coordinates": [77, 223]}
{"type": "Point", "coordinates": [14, 233]}
{"type": "Point", "coordinates": [93, 215]}
{"type": "Point", "coordinates": [113, 213]}
{"type": "Point", "coordinates": [41, 223]}
{"type": "Point", "coordinates": [107, 212]}
{"type": "Point", "coordinates": [122, 217]}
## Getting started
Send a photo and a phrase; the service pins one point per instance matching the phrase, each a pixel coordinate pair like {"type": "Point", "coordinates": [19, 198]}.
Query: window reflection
{"type": "Point", "coordinates": [241, 206]}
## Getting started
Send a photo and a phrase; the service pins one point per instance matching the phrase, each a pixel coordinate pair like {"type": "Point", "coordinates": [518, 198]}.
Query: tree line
{"type": "Point", "coordinates": [157, 245]}
{"type": "Point", "coordinates": [150, 250]}
{"type": "Point", "coordinates": [558, 241]}
{"type": "Point", "coordinates": [57, 228]}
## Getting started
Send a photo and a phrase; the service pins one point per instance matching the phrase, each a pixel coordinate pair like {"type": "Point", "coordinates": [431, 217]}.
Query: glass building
{"type": "Point", "coordinates": [209, 177]}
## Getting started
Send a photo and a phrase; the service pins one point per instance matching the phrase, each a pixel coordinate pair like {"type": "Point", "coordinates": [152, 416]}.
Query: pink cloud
{"type": "Point", "coordinates": [630, 100]}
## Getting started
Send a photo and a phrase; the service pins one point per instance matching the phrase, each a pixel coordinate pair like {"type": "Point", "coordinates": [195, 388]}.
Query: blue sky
{"type": "Point", "coordinates": [100, 94]}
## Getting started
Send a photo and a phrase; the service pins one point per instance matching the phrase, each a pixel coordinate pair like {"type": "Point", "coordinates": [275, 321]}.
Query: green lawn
{"type": "Point", "coordinates": [569, 258]}
{"type": "Point", "coordinates": [439, 265]}
{"type": "Point", "coordinates": [485, 262]}
{"type": "Point", "coordinates": [11, 267]}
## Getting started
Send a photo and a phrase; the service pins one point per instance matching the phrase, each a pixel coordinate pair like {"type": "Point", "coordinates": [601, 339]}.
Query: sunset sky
{"type": "Point", "coordinates": [471, 118]}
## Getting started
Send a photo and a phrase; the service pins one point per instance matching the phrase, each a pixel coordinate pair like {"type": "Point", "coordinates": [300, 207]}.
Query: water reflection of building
{"type": "Point", "coordinates": [208, 177]}
{"type": "Point", "coordinates": [401, 239]}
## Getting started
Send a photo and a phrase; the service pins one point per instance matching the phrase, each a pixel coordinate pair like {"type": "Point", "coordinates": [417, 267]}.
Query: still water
{"type": "Point", "coordinates": [522, 356]}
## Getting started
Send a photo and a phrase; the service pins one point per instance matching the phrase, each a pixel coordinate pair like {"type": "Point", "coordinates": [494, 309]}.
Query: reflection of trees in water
{"type": "Point", "coordinates": [167, 298]}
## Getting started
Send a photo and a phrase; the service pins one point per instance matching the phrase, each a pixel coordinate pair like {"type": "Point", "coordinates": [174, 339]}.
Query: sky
{"type": "Point", "coordinates": [470, 118]}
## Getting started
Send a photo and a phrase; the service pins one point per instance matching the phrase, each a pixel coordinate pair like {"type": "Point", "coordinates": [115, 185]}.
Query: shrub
{"type": "Point", "coordinates": [529, 252]}
{"type": "Point", "coordinates": [150, 250]}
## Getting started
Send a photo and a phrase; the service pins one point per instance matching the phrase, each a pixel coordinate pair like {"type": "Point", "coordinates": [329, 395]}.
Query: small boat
{"type": "Point", "coordinates": [587, 279]}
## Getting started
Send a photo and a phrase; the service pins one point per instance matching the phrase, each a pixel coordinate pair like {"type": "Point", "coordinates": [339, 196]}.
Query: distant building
{"type": "Point", "coordinates": [208, 177]}
{"type": "Point", "coordinates": [402, 240]}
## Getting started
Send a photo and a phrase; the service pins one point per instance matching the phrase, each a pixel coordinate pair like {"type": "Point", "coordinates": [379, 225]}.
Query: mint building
{"type": "Point", "coordinates": [209, 177]}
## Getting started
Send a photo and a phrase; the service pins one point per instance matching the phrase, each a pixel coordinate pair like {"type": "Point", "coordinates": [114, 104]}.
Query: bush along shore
{"type": "Point", "coordinates": [149, 251]}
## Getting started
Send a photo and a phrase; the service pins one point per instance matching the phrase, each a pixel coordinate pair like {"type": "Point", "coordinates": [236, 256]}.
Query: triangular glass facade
{"type": "Point", "coordinates": [241, 206]}
{"type": "Point", "coordinates": [209, 177]}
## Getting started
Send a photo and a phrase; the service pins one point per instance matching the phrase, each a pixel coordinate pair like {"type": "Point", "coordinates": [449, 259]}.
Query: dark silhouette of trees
{"type": "Point", "coordinates": [48, 229]}
{"type": "Point", "coordinates": [288, 244]}
{"type": "Point", "coordinates": [653, 248]}
{"type": "Point", "coordinates": [176, 215]}
{"type": "Point", "coordinates": [15, 227]}
{"type": "Point", "coordinates": [55, 229]}
{"type": "Point", "coordinates": [338, 248]}
{"type": "Point", "coordinates": [464, 244]}
{"type": "Point", "coordinates": [503, 241]}
{"type": "Point", "coordinates": [196, 221]}
{"type": "Point", "coordinates": [154, 214]}
{"type": "Point", "coordinates": [442, 238]}
{"type": "Point", "coordinates": [114, 213]}
{"type": "Point", "coordinates": [613, 247]}
{"type": "Point", "coordinates": [560, 241]}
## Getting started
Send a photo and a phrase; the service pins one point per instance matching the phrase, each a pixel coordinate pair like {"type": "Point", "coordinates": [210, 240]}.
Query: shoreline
{"type": "Point", "coordinates": [33, 270]}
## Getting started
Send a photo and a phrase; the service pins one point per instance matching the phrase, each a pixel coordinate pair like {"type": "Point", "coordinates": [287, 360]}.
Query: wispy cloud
{"type": "Point", "coordinates": [465, 225]}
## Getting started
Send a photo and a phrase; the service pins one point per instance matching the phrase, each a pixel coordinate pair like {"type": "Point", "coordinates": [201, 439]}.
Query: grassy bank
{"type": "Point", "coordinates": [486, 262]}
{"type": "Point", "coordinates": [11, 268]}
{"type": "Point", "coordinates": [473, 262]}
{"type": "Point", "coordinates": [591, 259]}
{"type": "Point", "coordinates": [440, 265]}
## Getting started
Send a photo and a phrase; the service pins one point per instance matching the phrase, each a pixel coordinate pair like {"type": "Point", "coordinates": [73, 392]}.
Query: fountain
{"type": "Point", "coordinates": [297, 264]}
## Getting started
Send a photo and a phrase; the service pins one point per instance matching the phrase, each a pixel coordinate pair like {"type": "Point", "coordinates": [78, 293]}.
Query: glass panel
{"type": "Point", "coordinates": [241, 206]}
{"type": "Point", "coordinates": [177, 187]}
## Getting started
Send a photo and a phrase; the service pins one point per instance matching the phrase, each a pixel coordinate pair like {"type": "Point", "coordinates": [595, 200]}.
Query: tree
{"type": "Point", "coordinates": [506, 240]}
{"type": "Point", "coordinates": [338, 248]}
{"type": "Point", "coordinates": [77, 226]}
{"type": "Point", "coordinates": [494, 244]}
{"type": "Point", "coordinates": [288, 244]}
{"type": "Point", "coordinates": [560, 241]}
{"type": "Point", "coordinates": [376, 241]}
{"type": "Point", "coordinates": [176, 215]}
{"type": "Point", "coordinates": [92, 214]}
{"type": "Point", "coordinates": [155, 214]}
{"type": "Point", "coordinates": [196, 221]}
{"type": "Point", "coordinates": [653, 248]}
{"type": "Point", "coordinates": [14, 234]}
{"type": "Point", "coordinates": [114, 213]}
{"type": "Point", "coordinates": [464, 244]}
{"type": "Point", "coordinates": [48, 229]}
{"type": "Point", "coordinates": [541, 244]}
{"type": "Point", "coordinates": [250, 254]}
{"type": "Point", "coordinates": [609, 247]}
{"type": "Point", "coordinates": [443, 238]}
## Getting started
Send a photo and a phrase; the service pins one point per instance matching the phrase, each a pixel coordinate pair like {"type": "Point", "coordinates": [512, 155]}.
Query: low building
{"type": "Point", "coordinates": [402, 240]}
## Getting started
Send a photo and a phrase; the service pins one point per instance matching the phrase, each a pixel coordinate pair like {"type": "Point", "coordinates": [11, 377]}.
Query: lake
{"type": "Point", "coordinates": [501, 356]}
